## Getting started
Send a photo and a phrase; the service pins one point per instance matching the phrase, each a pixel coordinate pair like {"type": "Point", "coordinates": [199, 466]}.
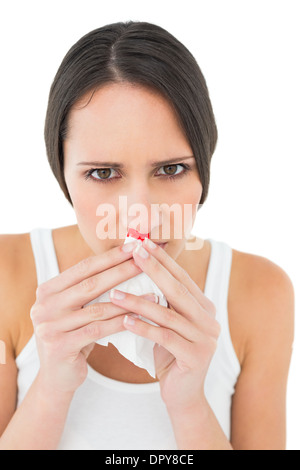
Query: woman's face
{"type": "Point", "coordinates": [116, 171]}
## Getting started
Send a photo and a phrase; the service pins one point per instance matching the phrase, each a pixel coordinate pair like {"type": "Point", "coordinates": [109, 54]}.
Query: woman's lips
{"type": "Point", "coordinates": [162, 245]}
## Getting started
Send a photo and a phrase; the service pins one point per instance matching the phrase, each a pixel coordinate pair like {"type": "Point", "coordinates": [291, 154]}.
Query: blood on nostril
{"type": "Point", "coordinates": [137, 235]}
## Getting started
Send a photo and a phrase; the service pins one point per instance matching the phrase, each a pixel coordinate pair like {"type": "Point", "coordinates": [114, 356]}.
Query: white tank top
{"type": "Point", "coordinates": [109, 414]}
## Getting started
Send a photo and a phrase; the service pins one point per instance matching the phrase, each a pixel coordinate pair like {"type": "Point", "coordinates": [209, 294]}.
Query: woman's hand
{"type": "Point", "coordinates": [65, 331]}
{"type": "Point", "coordinates": [187, 334]}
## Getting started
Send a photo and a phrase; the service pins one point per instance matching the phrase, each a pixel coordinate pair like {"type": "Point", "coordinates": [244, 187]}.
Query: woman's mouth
{"type": "Point", "coordinates": [162, 245]}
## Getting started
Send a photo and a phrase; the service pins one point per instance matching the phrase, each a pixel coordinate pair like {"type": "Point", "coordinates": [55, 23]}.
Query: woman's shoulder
{"type": "Point", "coordinates": [256, 267]}
{"type": "Point", "coordinates": [18, 286]}
{"type": "Point", "coordinates": [256, 274]}
{"type": "Point", "coordinates": [16, 260]}
{"type": "Point", "coordinates": [260, 301]}
{"type": "Point", "coordinates": [16, 257]}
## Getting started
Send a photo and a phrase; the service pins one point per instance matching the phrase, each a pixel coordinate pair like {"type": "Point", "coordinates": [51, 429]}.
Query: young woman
{"type": "Point", "coordinates": [129, 115]}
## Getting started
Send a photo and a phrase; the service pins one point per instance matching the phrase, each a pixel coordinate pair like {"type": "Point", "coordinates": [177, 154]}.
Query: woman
{"type": "Point", "coordinates": [129, 115]}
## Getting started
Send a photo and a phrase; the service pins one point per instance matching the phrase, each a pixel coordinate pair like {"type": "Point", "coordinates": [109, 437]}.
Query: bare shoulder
{"type": "Point", "coordinates": [18, 285]}
{"type": "Point", "coordinates": [260, 302]}
{"type": "Point", "coordinates": [17, 288]}
{"type": "Point", "coordinates": [261, 320]}
{"type": "Point", "coordinates": [257, 273]}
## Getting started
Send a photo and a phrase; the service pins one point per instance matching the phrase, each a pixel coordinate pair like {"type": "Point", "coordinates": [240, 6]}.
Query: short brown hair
{"type": "Point", "coordinates": [140, 53]}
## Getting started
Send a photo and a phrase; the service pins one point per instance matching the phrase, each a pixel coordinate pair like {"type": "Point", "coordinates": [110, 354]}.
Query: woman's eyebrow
{"type": "Point", "coordinates": [121, 165]}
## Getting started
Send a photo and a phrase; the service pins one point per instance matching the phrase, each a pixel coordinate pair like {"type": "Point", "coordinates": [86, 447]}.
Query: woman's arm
{"type": "Point", "coordinates": [39, 421]}
{"type": "Point", "coordinates": [66, 327]}
{"type": "Point", "coordinates": [198, 428]}
{"type": "Point", "coordinates": [8, 383]}
{"type": "Point", "coordinates": [186, 341]}
{"type": "Point", "coordinates": [8, 368]}
{"type": "Point", "coordinates": [266, 310]}
{"type": "Point", "coordinates": [265, 315]}
{"type": "Point", "coordinates": [263, 322]}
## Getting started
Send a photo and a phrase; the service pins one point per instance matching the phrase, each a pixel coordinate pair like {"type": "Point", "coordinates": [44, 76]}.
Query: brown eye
{"type": "Point", "coordinates": [103, 173]}
{"type": "Point", "coordinates": [170, 169]}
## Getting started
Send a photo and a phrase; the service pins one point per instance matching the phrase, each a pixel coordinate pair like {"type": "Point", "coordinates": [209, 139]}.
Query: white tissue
{"type": "Point", "coordinates": [135, 348]}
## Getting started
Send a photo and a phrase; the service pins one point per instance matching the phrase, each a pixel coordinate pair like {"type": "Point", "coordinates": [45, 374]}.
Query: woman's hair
{"type": "Point", "coordinates": [138, 53]}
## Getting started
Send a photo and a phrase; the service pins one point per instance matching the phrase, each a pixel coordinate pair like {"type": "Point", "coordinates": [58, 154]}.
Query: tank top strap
{"type": "Point", "coordinates": [44, 254]}
{"type": "Point", "coordinates": [218, 275]}
{"type": "Point", "coordinates": [216, 289]}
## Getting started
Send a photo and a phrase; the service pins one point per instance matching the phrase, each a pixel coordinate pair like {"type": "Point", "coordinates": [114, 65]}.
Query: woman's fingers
{"type": "Point", "coordinates": [176, 291]}
{"type": "Point", "coordinates": [86, 291]}
{"type": "Point", "coordinates": [99, 329]}
{"type": "Point", "coordinates": [91, 288]}
{"type": "Point", "coordinates": [158, 314]}
{"type": "Point", "coordinates": [98, 311]}
{"type": "Point", "coordinates": [85, 269]}
{"type": "Point", "coordinates": [179, 274]}
{"type": "Point", "coordinates": [90, 333]}
{"type": "Point", "coordinates": [182, 349]}
{"type": "Point", "coordinates": [86, 351]}
{"type": "Point", "coordinates": [91, 313]}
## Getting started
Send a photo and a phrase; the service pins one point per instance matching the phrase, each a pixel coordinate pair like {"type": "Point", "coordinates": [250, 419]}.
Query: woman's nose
{"type": "Point", "coordinates": [138, 211]}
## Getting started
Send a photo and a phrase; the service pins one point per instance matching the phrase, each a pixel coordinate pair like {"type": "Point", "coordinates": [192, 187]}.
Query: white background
{"type": "Point", "coordinates": [249, 54]}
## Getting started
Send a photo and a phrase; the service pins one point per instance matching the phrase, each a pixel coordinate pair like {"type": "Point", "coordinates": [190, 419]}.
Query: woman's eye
{"type": "Point", "coordinates": [170, 170]}
{"type": "Point", "coordinates": [101, 173]}
{"type": "Point", "coordinates": [106, 175]}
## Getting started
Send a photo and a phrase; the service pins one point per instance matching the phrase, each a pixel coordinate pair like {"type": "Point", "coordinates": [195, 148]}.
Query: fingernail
{"type": "Point", "coordinates": [127, 247]}
{"type": "Point", "coordinates": [151, 298]}
{"type": "Point", "coordinates": [129, 320]}
{"type": "Point", "coordinates": [117, 294]}
{"type": "Point", "coordinates": [150, 243]}
{"type": "Point", "coordinates": [135, 315]}
{"type": "Point", "coordinates": [141, 252]}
